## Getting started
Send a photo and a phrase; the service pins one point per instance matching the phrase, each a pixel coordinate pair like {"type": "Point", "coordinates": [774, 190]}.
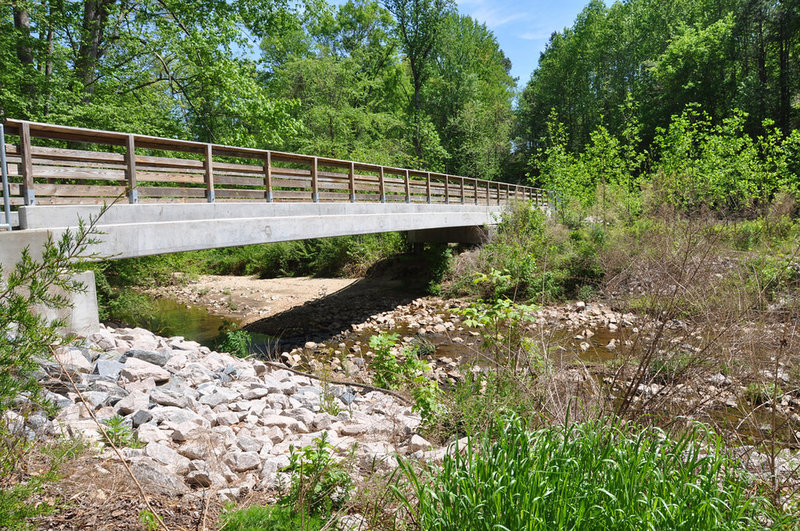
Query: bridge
{"type": "Point", "coordinates": [170, 195]}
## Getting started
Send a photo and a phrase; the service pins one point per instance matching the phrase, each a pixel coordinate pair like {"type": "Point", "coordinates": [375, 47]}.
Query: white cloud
{"type": "Point", "coordinates": [535, 35]}
{"type": "Point", "coordinates": [494, 17]}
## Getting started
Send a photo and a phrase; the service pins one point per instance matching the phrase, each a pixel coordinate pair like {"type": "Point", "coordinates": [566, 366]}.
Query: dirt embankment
{"type": "Point", "coordinates": [248, 299]}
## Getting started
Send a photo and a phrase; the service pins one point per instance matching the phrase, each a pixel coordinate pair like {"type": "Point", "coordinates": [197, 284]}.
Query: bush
{"type": "Point", "coordinates": [585, 476]}
{"type": "Point", "coordinates": [235, 342]}
{"type": "Point", "coordinates": [543, 259]}
{"type": "Point", "coordinates": [25, 334]}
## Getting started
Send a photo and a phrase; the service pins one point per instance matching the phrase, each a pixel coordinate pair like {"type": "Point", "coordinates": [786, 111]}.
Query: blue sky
{"type": "Point", "coordinates": [523, 27]}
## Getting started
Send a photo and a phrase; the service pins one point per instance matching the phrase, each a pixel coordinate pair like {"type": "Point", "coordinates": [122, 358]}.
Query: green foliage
{"type": "Point", "coordinates": [236, 343]}
{"type": "Point", "coordinates": [120, 433]}
{"type": "Point", "coordinates": [149, 519]}
{"type": "Point", "coordinates": [543, 259]}
{"type": "Point", "coordinates": [319, 484]}
{"type": "Point", "coordinates": [391, 373]}
{"type": "Point", "coordinates": [25, 334]}
{"type": "Point", "coordinates": [386, 371]}
{"type": "Point", "coordinates": [274, 518]}
{"type": "Point", "coordinates": [16, 511]}
{"type": "Point", "coordinates": [585, 476]}
{"type": "Point", "coordinates": [763, 393]}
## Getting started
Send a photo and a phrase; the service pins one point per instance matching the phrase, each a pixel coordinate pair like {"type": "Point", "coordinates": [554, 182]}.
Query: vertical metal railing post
{"type": "Point", "coordinates": [4, 171]}
{"type": "Point", "coordinates": [130, 169]}
{"type": "Point", "coordinates": [208, 165]}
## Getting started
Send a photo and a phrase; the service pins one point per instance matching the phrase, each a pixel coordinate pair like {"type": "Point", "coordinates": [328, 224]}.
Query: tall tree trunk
{"type": "Point", "coordinates": [22, 23]}
{"type": "Point", "coordinates": [784, 103]}
{"type": "Point", "coordinates": [95, 17]}
{"type": "Point", "coordinates": [417, 114]}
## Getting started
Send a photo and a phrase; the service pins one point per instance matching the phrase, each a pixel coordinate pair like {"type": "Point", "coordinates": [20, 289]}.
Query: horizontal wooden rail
{"type": "Point", "coordinates": [152, 169]}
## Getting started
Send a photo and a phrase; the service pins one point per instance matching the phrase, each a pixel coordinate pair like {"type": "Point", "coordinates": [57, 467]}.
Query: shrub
{"type": "Point", "coordinates": [584, 476]}
{"type": "Point", "coordinates": [319, 484]}
{"type": "Point", "coordinates": [236, 343]}
{"type": "Point", "coordinates": [25, 334]}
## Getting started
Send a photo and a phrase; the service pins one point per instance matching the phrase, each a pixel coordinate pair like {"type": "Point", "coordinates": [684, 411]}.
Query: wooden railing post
{"type": "Point", "coordinates": [475, 191]}
{"type": "Point", "coordinates": [382, 185]}
{"type": "Point", "coordinates": [463, 198]}
{"type": "Point", "coordinates": [352, 176]}
{"type": "Point", "coordinates": [498, 193]}
{"type": "Point", "coordinates": [314, 180]}
{"type": "Point", "coordinates": [407, 178]}
{"type": "Point", "coordinates": [446, 189]}
{"type": "Point", "coordinates": [26, 166]}
{"type": "Point", "coordinates": [428, 186]}
{"type": "Point", "coordinates": [130, 169]}
{"type": "Point", "coordinates": [208, 165]}
{"type": "Point", "coordinates": [268, 177]}
{"type": "Point", "coordinates": [488, 195]}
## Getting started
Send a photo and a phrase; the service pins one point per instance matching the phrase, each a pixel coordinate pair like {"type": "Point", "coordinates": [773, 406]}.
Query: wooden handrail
{"type": "Point", "coordinates": [92, 175]}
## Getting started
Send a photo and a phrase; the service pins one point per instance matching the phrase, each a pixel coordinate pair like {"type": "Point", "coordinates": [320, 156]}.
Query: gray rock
{"type": "Point", "coordinates": [177, 415]}
{"type": "Point", "coordinates": [220, 396]}
{"type": "Point", "coordinates": [199, 478]}
{"type": "Point", "coordinates": [133, 402]}
{"type": "Point", "coordinates": [141, 417]}
{"type": "Point", "coordinates": [147, 433]}
{"type": "Point", "coordinates": [156, 477]}
{"type": "Point", "coordinates": [249, 444]}
{"type": "Point", "coordinates": [169, 398]}
{"type": "Point", "coordinates": [255, 393]}
{"type": "Point", "coordinates": [243, 461]}
{"type": "Point", "coordinates": [96, 399]}
{"type": "Point", "coordinates": [73, 359]}
{"type": "Point", "coordinates": [280, 421]}
{"type": "Point", "coordinates": [417, 443]}
{"type": "Point", "coordinates": [228, 418]}
{"type": "Point", "coordinates": [185, 431]}
{"type": "Point", "coordinates": [156, 358]}
{"type": "Point", "coordinates": [108, 369]}
{"type": "Point", "coordinates": [136, 369]}
{"type": "Point", "coordinates": [168, 457]}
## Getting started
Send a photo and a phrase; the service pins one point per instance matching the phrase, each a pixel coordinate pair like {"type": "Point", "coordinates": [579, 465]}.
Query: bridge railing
{"type": "Point", "coordinates": [99, 165]}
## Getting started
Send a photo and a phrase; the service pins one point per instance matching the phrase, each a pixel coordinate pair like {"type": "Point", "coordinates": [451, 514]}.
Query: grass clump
{"type": "Point", "coordinates": [273, 517]}
{"type": "Point", "coordinates": [591, 475]}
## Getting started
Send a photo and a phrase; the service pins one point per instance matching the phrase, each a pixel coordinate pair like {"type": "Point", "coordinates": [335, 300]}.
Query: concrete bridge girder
{"type": "Point", "coordinates": [150, 229]}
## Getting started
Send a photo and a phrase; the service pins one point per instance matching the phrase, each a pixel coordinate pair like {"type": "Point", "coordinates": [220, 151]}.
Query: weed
{"type": "Point", "coordinates": [149, 520]}
{"type": "Point", "coordinates": [235, 342]}
{"type": "Point", "coordinates": [120, 434]}
{"type": "Point", "coordinates": [274, 518]}
{"type": "Point", "coordinates": [319, 484]}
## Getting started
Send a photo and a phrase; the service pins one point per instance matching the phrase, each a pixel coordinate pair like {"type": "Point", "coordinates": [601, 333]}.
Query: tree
{"type": "Point", "coordinates": [418, 23]}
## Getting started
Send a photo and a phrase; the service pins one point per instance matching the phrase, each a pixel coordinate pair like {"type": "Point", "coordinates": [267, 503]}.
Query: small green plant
{"type": "Point", "coordinates": [235, 342]}
{"type": "Point", "coordinates": [149, 520]}
{"type": "Point", "coordinates": [328, 401]}
{"type": "Point", "coordinates": [391, 373]}
{"type": "Point", "coordinates": [319, 484]}
{"type": "Point", "coordinates": [385, 367]}
{"type": "Point", "coordinates": [763, 393]}
{"type": "Point", "coordinates": [120, 433]}
{"type": "Point", "coordinates": [500, 320]}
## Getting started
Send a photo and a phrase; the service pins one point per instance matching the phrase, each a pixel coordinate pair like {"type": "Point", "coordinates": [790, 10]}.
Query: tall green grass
{"type": "Point", "coordinates": [586, 476]}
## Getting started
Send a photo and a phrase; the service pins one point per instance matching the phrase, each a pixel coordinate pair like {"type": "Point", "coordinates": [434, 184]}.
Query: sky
{"type": "Point", "coordinates": [523, 27]}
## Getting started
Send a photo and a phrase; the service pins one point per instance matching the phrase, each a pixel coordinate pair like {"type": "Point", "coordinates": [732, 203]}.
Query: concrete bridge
{"type": "Point", "coordinates": [170, 195]}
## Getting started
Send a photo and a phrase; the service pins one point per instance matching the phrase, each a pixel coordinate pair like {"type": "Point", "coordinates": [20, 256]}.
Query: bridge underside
{"type": "Point", "coordinates": [150, 229]}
